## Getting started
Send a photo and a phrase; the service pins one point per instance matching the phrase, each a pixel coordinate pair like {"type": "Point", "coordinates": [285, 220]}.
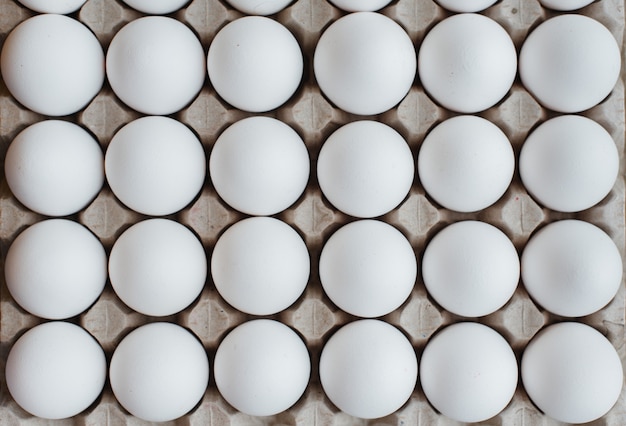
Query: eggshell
{"type": "Point", "coordinates": [569, 163]}
{"type": "Point", "coordinates": [365, 169]}
{"type": "Point", "coordinates": [259, 166]}
{"type": "Point", "coordinates": [255, 64]}
{"type": "Point", "coordinates": [156, 7]}
{"type": "Point", "coordinates": [262, 367]}
{"type": "Point", "coordinates": [466, 5]}
{"type": "Point", "coordinates": [259, 7]}
{"type": "Point", "coordinates": [55, 370]}
{"type": "Point", "coordinates": [157, 267]}
{"type": "Point", "coordinates": [565, 5]}
{"type": "Point", "coordinates": [570, 63]}
{"type": "Point", "coordinates": [156, 65]}
{"type": "Point", "coordinates": [471, 268]}
{"type": "Point", "coordinates": [468, 372]}
{"type": "Point", "coordinates": [368, 268]}
{"type": "Point", "coordinates": [260, 265]}
{"type": "Point", "coordinates": [365, 63]}
{"type": "Point", "coordinates": [54, 167]}
{"type": "Point", "coordinates": [55, 269]}
{"type": "Point", "coordinates": [360, 5]}
{"type": "Point", "coordinates": [159, 372]}
{"type": "Point", "coordinates": [52, 64]}
{"type": "Point", "coordinates": [368, 369]}
{"type": "Point", "coordinates": [466, 163]}
{"type": "Point", "coordinates": [467, 63]}
{"type": "Point", "coordinates": [571, 268]}
{"type": "Point", "coordinates": [57, 6]}
{"type": "Point", "coordinates": [155, 165]}
{"type": "Point", "coordinates": [572, 373]}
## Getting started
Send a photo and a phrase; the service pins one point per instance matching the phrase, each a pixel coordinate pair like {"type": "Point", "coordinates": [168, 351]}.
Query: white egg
{"type": "Point", "coordinates": [467, 63]}
{"type": "Point", "coordinates": [466, 5]}
{"type": "Point", "coordinates": [565, 5]}
{"type": "Point", "coordinates": [471, 268]}
{"type": "Point", "coordinates": [156, 65]}
{"type": "Point", "coordinates": [156, 7]}
{"type": "Point", "coordinates": [368, 268]}
{"type": "Point", "coordinates": [54, 167]}
{"type": "Point", "coordinates": [365, 169]}
{"type": "Point", "coordinates": [468, 372]}
{"type": "Point", "coordinates": [259, 7]}
{"type": "Point", "coordinates": [570, 63]}
{"type": "Point", "coordinates": [262, 367]}
{"type": "Point", "coordinates": [155, 165]}
{"type": "Point", "coordinates": [260, 265]}
{"type": "Point", "coordinates": [52, 64]}
{"type": "Point", "coordinates": [159, 372]}
{"type": "Point", "coordinates": [569, 163]}
{"type": "Point", "coordinates": [365, 63]}
{"type": "Point", "coordinates": [572, 373]}
{"type": "Point", "coordinates": [466, 163]}
{"type": "Point", "coordinates": [55, 370]}
{"type": "Point", "coordinates": [157, 267]}
{"type": "Point", "coordinates": [368, 369]}
{"type": "Point", "coordinates": [255, 64]}
{"type": "Point", "coordinates": [259, 166]}
{"type": "Point", "coordinates": [55, 269]}
{"type": "Point", "coordinates": [360, 5]}
{"type": "Point", "coordinates": [57, 6]}
{"type": "Point", "coordinates": [571, 268]}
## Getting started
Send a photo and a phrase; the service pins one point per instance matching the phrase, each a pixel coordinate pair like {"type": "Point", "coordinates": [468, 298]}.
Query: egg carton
{"type": "Point", "coordinates": [314, 316]}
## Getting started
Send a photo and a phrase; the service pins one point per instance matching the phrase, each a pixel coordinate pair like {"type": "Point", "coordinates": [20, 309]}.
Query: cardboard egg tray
{"type": "Point", "coordinates": [314, 316]}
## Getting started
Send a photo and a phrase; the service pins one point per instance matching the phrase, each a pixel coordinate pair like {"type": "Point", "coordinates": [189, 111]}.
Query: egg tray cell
{"type": "Point", "coordinates": [314, 316]}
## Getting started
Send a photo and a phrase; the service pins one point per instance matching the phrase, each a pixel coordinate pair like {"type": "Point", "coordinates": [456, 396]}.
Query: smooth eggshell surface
{"type": "Point", "coordinates": [468, 372]}
{"type": "Point", "coordinates": [259, 7]}
{"type": "Point", "coordinates": [57, 6]}
{"type": "Point", "coordinates": [360, 5]}
{"type": "Point", "coordinates": [156, 7]}
{"type": "Point", "coordinates": [262, 367]}
{"type": "Point", "coordinates": [565, 5]}
{"type": "Point", "coordinates": [572, 373]}
{"type": "Point", "coordinates": [368, 369]}
{"type": "Point", "coordinates": [571, 268]}
{"type": "Point", "coordinates": [52, 64]}
{"type": "Point", "coordinates": [159, 372]}
{"type": "Point", "coordinates": [55, 269]}
{"type": "Point", "coordinates": [466, 5]}
{"type": "Point", "coordinates": [260, 265]}
{"type": "Point", "coordinates": [368, 268]}
{"type": "Point", "coordinates": [157, 267]}
{"type": "Point", "coordinates": [54, 167]}
{"type": "Point", "coordinates": [365, 63]}
{"type": "Point", "coordinates": [55, 370]}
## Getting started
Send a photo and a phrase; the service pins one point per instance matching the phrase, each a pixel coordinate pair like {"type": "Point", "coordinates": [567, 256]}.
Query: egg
{"type": "Point", "coordinates": [55, 370]}
{"type": "Point", "coordinates": [572, 373]}
{"type": "Point", "coordinates": [262, 367]}
{"type": "Point", "coordinates": [467, 63]}
{"type": "Point", "coordinates": [365, 63]}
{"type": "Point", "coordinates": [159, 372]}
{"type": "Point", "coordinates": [571, 268]}
{"type": "Point", "coordinates": [471, 268]}
{"type": "Point", "coordinates": [155, 65]}
{"type": "Point", "coordinates": [466, 163]}
{"type": "Point", "coordinates": [58, 6]}
{"type": "Point", "coordinates": [569, 163]}
{"type": "Point", "coordinates": [368, 268]}
{"type": "Point", "coordinates": [565, 5]}
{"type": "Point", "coordinates": [54, 167]}
{"type": "Point", "coordinates": [155, 165]}
{"type": "Point", "coordinates": [255, 64]}
{"type": "Point", "coordinates": [55, 269]}
{"type": "Point", "coordinates": [570, 63]}
{"type": "Point", "coordinates": [156, 7]}
{"type": "Point", "coordinates": [368, 369]}
{"type": "Point", "coordinates": [157, 267]}
{"type": "Point", "coordinates": [466, 5]}
{"type": "Point", "coordinates": [468, 372]}
{"type": "Point", "coordinates": [260, 265]}
{"type": "Point", "coordinates": [52, 64]}
{"type": "Point", "coordinates": [259, 166]}
{"type": "Point", "coordinates": [259, 7]}
{"type": "Point", "coordinates": [365, 169]}
{"type": "Point", "coordinates": [360, 5]}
